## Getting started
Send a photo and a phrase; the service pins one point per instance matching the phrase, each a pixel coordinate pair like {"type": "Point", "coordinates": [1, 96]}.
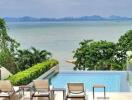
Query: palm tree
{"type": "Point", "coordinates": [23, 59]}
{"type": "Point", "coordinates": [26, 58]}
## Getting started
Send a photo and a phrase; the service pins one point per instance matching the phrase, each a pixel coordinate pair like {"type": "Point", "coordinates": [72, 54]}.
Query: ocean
{"type": "Point", "coordinates": [62, 38]}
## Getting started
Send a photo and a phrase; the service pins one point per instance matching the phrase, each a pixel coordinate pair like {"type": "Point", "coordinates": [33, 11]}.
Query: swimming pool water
{"type": "Point", "coordinates": [112, 81]}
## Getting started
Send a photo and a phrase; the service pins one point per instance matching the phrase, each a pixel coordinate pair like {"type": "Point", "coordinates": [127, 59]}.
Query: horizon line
{"type": "Point", "coordinates": [65, 16]}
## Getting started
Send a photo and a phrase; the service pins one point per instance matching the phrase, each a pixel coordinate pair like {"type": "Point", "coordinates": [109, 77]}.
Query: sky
{"type": "Point", "coordinates": [64, 8]}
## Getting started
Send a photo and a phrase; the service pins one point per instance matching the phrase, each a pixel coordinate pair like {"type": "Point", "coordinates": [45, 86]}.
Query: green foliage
{"type": "Point", "coordinates": [7, 48]}
{"type": "Point", "coordinates": [18, 60]}
{"type": "Point", "coordinates": [26, 58]}
{"type": "Point", "coordinates": [103, 55]}
{"type": "Point", "coordinates": [32, 73]}
{"type": "Point", "coordinates": [7, 61]}
{"type": "Point", "coordinates": [125, 41]}
{"type": "Point", "coordinates": [100, 55]}
{"type": "Point", "coordinates": [6, 42]}
{"type": "Point", "coordinates": [125, 44]}
{"type": "Point", "coordinates": [130, 61]}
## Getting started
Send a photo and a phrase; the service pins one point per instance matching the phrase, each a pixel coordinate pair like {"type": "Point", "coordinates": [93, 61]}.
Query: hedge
{"type": "Point", "coordinates": [26, 76]}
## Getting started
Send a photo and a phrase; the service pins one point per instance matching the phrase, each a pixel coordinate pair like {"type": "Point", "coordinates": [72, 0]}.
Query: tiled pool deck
{"type": "Point", "coordinates": [98, 96]}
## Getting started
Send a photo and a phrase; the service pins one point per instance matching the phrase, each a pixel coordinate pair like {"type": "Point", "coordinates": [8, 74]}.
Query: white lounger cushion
{"type": "Point", "coordinates": [76, 95]}
{"type": "Point", "coordinates": [41, 94]}
{"type": "Point", "coordinates": [4, 94]}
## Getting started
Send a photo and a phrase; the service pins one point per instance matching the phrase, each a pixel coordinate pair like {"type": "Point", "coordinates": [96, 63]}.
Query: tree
{"type": "Point", "coordinates": [100, 55]}
{"type": "Point", "coordinates": [125, 41]}
{"type": "Point", "coordinates": [103, 55]}
{"type": "Point", "coordinates": [8, 46]}
{"type": "Point", "coordinates": [17, 60]}
{"type": "Point", "coordinates": [27, 58]}
{"type": "Point", "coordinates": [40, 56]}
{"type": "Point", "coordinates": [124, 44]}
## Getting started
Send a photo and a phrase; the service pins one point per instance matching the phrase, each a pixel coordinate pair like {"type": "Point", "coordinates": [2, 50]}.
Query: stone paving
{"type": "Point", "coordinates": [98, 96]}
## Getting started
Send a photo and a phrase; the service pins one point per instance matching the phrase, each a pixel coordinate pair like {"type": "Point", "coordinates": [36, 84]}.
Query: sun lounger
{"type": "Point", "coordinates": [76, 90]}
{"type": "Point", "coordinates": [41, 88]}
{"type": "Point", "coordinates": [6, 89]}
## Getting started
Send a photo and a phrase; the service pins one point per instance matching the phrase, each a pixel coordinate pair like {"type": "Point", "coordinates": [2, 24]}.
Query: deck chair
{"type": "Point", "coordinates": [41, 88]}
{"type": "Point", "coordinates": [76, 91]}
{"type": "Point", "coordinates": [6, 89]}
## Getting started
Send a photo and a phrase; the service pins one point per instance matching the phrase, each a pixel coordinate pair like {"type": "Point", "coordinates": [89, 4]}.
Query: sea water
{"type": "Point", "coordinates": [62, 38]}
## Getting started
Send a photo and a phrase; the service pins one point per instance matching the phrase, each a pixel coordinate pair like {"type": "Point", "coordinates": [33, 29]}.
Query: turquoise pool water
{"type": "Point", "coordinates": [114, 81]}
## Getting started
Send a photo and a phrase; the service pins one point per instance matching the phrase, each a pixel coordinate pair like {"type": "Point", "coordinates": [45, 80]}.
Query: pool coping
{"type": "Point", "coordinates": [92, 71]}
{"type": "Point", "coordinates": [54, 69]}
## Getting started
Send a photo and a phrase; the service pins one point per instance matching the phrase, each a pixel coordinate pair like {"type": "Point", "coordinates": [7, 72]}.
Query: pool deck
{"type": "Point", "coordinates": [98, 96]}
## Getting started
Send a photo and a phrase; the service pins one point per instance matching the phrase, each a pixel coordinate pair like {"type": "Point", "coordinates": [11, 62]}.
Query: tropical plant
{"type": "Point", "coordinates": [8, 46]}
{"type": "Point", "coordinates": [26, 58]}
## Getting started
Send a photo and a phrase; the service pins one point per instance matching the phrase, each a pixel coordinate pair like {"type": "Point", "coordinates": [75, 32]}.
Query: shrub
{"type": "Point", "coordinates": [33, 72]}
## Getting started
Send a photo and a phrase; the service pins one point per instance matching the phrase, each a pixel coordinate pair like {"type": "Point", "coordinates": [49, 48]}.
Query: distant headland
{"type": "Point", "coordinates": [82, 18]}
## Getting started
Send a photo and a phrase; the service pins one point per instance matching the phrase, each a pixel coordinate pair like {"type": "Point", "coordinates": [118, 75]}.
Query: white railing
{"type": "Point", "coordinates": [129, 68]}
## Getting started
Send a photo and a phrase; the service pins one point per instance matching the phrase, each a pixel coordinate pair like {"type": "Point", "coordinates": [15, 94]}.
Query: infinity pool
{"type": "Point", "coordinates": [114, 81]}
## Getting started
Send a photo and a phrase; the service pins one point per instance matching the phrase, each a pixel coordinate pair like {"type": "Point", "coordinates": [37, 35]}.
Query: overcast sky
{"type": "Point", "coordinates": [61, 8]}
